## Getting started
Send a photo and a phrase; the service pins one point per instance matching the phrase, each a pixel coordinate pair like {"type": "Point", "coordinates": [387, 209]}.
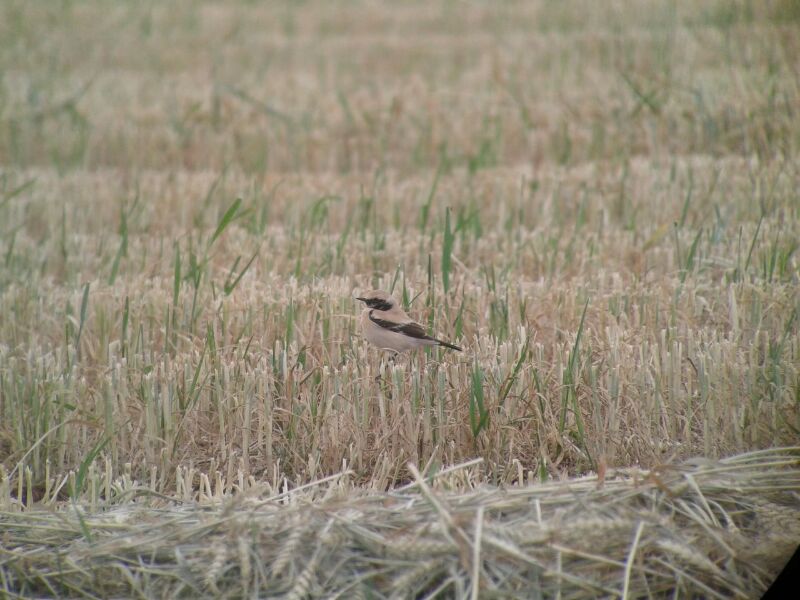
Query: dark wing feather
{"type": "Point", "coordinates": [413, 330]}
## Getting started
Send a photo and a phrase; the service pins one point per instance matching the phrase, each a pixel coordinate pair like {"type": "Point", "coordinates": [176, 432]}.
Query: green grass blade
{"type": "Point", "coordinates": [8, 196]}
{"type": "Point", "coordinates": [447, 251]}
{"type": "Point", "coordinates": [87, 460]}
{"type": "Point", "coordinates": [478, 415]}
{"type": "Point", "coordinates": [230, 286]}
{"type": "Point", "coordinates": [84, 311]}
{"type": "Point", "coordinates": [226, 219]}
{"type": "Point", "coordinates": [752, 245]}
{"type": "Point", "coordinates": [505, 389]}
{"type": "Point", "coordinates": [424, 213]}
{"type": "Point", "coordinates": [569, 374]}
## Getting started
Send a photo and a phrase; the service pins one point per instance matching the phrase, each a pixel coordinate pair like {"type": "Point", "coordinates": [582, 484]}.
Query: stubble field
{"type": "Point", "coordinates": [598, 201]}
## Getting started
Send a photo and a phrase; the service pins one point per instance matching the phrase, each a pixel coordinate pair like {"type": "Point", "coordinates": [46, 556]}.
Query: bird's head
{"type": "Point", "coordinates": [378, 300]}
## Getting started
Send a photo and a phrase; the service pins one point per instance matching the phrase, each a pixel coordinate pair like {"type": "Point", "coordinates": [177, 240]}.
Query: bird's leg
{"type": "Point", "coordinates": [388, 363]}
{"type": "Point", "coordinates": [383, 364]}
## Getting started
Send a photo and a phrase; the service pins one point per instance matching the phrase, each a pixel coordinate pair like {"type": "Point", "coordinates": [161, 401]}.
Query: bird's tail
{"type": "Point", "coordinates": [448, 345]}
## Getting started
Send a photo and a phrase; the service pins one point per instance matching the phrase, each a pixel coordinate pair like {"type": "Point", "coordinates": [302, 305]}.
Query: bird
{"type": "Point", "coordinates": [385, 325]}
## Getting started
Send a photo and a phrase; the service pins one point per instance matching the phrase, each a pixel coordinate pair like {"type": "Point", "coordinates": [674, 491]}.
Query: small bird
{"type": "Point", "coordinates": [388, 327]}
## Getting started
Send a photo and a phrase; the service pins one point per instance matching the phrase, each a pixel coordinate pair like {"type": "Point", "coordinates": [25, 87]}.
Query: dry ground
{"type": "Point", "coordinates": [597, 200]}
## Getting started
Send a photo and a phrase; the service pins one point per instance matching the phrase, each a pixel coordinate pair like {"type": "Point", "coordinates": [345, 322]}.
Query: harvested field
{"type": "Point", "coordinates": [598, 201]}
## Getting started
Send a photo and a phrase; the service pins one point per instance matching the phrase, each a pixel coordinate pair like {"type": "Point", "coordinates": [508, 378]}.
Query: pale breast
{"type": "Point", "coordinates": [389, 340]}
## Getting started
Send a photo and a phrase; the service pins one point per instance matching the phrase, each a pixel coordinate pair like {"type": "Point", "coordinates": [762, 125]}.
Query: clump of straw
{"type": "Point", "coordinates": [718, 529]}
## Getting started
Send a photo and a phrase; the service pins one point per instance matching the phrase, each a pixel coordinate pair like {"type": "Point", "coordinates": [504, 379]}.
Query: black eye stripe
{"type": "Point", "coordinates": [378, 304]}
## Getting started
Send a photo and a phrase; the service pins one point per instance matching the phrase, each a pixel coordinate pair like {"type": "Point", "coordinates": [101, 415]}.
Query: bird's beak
{"type": "Point", "coordinates": [362, 299]}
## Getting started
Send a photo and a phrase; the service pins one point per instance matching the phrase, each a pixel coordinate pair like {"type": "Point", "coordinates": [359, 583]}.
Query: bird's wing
{"type": "Point", "coordinates": [410, 329]}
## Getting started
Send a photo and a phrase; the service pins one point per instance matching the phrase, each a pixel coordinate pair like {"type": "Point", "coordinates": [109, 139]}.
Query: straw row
{"type": "Point", "coordinates": [718, 529]}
